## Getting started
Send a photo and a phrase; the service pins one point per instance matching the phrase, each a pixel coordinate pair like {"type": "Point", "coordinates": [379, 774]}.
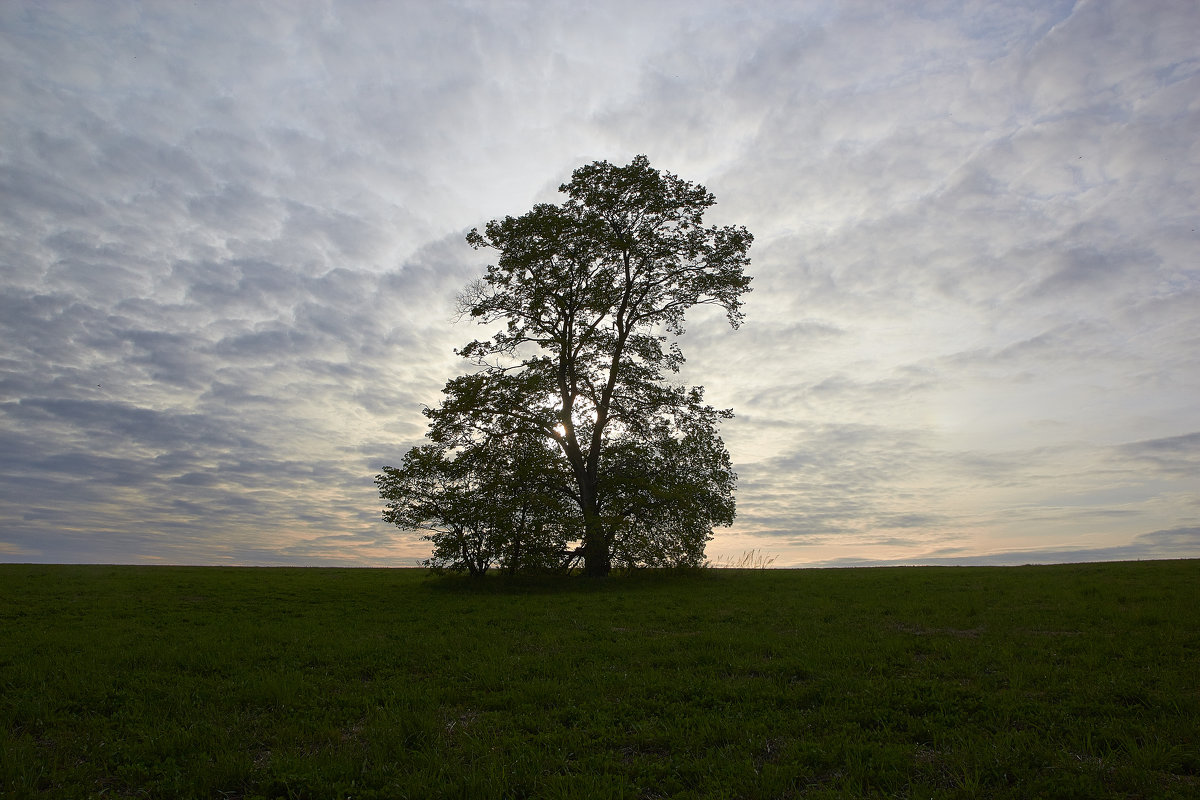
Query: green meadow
{"type": "Point", "coordinates": [1052, 681]}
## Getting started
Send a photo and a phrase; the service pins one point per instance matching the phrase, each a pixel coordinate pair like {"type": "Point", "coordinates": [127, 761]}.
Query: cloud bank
{"type": "Point", "coordinates": [231, 236]}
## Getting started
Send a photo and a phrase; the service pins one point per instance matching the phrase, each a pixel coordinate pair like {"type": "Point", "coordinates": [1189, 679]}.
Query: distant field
{"type": "Point", "coordinates": [1061, 681]}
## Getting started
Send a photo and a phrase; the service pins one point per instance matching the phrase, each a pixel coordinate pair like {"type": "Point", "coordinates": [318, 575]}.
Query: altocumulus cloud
{"type": "Point", "coordinates": [231, 236]}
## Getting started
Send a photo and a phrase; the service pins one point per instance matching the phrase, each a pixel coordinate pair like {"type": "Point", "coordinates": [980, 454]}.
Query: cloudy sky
{"type": "Point", "coordinates": [231, 235]}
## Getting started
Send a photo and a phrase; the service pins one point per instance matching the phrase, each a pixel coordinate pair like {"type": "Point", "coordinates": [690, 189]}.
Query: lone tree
{"type": "Point", "coordinates": [591, 293]}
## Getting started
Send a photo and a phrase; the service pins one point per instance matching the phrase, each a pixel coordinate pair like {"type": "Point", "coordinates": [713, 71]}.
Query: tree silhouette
{"type": "Point", "coordinates": [591, 293]}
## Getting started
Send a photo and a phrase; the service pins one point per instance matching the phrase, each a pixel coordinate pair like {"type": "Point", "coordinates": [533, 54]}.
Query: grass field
{"type": "Point", "coordinates": [1061, 681]}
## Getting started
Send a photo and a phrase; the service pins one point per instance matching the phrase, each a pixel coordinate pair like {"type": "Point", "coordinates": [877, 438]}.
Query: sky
{"type": "Point", "coordinates": [231, 235]}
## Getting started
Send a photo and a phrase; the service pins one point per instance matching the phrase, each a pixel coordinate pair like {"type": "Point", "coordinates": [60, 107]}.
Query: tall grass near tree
{"type": "Point", "coordinates": [1065, 681]}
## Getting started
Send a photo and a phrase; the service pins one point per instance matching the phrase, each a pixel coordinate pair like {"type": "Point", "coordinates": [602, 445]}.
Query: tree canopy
{"type": "Point", "coordinates": [591, 294]}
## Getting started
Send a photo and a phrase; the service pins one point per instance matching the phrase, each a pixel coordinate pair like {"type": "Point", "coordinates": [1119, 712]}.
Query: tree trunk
{"type": "Point", "coordinates": [596, 560]}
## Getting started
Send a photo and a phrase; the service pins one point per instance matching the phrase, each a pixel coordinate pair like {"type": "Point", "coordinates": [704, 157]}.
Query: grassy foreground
{"type": "Point", "coordinates": [1064, 681]}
